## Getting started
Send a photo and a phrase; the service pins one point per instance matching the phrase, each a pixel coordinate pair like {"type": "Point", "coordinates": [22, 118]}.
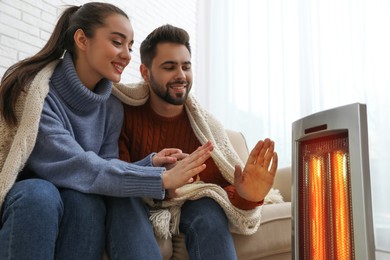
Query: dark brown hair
{"type": "Point", "coordinates": [163, 34]}
{"type": "Point", "coordinates": [87, 17]}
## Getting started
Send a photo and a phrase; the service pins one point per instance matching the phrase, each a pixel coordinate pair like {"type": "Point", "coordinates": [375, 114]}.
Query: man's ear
{"type": "Point", "coordinates": [80, 39]}
{"type": "Point", "coordinates": [145, 73]}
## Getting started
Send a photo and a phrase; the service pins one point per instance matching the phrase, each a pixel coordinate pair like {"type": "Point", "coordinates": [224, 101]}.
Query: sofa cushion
{"type": "Point", "coordinates": [273, 236]}
{"type": "Point", "coordinates": [165, 248]}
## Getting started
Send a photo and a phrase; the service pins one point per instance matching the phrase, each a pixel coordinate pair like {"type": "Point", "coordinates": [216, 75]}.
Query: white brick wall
{"type": "Point", "coordinates": [25, 25]}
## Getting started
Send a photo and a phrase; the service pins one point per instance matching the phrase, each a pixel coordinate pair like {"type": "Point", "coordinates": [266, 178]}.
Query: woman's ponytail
{"type": "Point", "coordinates": [20, 75]}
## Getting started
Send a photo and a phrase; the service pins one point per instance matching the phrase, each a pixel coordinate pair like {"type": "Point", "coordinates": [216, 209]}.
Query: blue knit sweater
{"type": "Point", "coordinates": [77, 142]}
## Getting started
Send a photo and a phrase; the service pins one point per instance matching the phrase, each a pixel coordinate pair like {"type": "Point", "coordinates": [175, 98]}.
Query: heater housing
{"type": "Point", "coordinates": [331, 193]}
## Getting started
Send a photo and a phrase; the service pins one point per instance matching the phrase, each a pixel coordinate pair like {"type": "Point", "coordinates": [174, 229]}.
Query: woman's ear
{"type": "Point", "coordinates": [80, 39]}
{"type": "Point", "coordinates": [145, 73]}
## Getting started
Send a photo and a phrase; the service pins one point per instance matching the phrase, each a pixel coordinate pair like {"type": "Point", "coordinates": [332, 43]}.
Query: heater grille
{"type": "Point", "coordinates": [325, 211]}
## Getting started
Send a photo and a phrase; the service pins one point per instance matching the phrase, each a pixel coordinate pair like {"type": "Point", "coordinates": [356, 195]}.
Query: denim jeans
{"type": "Point", "coordinates": [206, 230]}
{"type": "Point", "coordinates": [92, 223]}
{"type": "Point", "coordinates": [30, 219]}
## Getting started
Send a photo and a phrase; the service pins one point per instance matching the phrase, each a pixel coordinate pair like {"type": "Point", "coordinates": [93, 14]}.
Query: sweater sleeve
{"type": "Point", "coordinates": [59, 158]}
{"type": "Point", "coordinates": [240, 202]}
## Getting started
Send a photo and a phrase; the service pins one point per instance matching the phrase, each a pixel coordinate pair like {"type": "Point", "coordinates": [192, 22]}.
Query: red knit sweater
{"type": "Point", "coordinates": [145, 132]}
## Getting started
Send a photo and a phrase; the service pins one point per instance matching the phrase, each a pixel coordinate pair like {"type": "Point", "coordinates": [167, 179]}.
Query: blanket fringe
{"type": "Point", "coordinates": [161, 222]}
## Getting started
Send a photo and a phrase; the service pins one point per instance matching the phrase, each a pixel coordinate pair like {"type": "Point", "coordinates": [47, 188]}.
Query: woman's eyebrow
{"type": "Point", "coordinates": [122, 36]}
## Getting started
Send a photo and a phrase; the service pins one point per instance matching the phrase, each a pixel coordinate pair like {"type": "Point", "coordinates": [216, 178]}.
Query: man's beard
{"type": "Point", "coordinates": [174, 99]}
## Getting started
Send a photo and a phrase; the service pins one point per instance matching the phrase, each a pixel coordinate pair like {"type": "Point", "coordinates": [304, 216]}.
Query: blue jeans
{"type": "Point", "coordinates": [92, 223]}
{"type": "Point", "coordinates": [206, 230]}
{"type": "Point", "coordinates": [30, 219]}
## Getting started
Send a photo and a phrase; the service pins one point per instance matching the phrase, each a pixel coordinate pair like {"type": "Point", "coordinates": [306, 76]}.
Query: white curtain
{"type": "Point", "coordinates": [262, 64]}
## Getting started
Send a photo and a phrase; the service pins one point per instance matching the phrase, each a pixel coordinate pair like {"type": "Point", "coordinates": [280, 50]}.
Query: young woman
{"type": "Point", "coordinates": [62, 126]}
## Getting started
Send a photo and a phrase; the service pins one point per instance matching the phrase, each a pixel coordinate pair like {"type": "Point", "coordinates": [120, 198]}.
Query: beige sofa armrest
{"type": "Point", "coordinates": [239, 144]}
{"type": "Point", "coordinates": [283, 183]}
{"type": "Point", "coordinates": [283, 176]}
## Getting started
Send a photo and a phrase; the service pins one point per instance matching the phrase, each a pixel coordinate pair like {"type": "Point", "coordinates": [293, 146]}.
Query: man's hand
{"type": "Point", "coordinates": [254, 183]}
{"type": "Point", "coordinates": [185, 169]}
{"type": "Point", "coordinates": [168, 157]}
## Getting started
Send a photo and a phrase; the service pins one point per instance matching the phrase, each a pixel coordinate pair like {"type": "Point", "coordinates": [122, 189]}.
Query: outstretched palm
{"type": "Point", "coordinates": [256, 180]}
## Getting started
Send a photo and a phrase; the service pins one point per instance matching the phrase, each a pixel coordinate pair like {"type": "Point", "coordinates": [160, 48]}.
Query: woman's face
{"type": "Point", "coordinates": [107, 53]}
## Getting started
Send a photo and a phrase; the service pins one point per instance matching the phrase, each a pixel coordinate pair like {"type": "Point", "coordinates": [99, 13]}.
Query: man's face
{"type": "Point", "coordinates": [171, 74]}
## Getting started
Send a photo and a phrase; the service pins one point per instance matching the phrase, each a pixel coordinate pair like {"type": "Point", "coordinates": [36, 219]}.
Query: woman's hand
{"type": "Point", "coordinates": [185, 169]}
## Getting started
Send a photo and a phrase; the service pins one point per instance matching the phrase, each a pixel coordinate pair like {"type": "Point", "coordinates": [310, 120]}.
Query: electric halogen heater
{"type": "Point", "coordinates": [332, 213]}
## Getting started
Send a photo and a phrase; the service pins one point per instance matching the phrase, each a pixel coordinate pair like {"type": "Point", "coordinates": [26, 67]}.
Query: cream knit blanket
{"type": "Point", "coordinates": [165, 215]}
{"type": "Point", "coordinates": [16, 143]}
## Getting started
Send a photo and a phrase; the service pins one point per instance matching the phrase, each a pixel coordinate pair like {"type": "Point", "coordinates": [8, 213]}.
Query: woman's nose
{"type": "Point", "coordinates": [126, 54]}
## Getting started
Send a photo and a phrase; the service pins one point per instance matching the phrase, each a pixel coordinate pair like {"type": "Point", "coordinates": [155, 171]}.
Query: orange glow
{"type": "Point", "coordinates": [329, 214]}
{"type": "Point", "coordinates": [326, 209]}
{"type": "Point", "coordinates": [317, 205]}
{"type": "Point", "coordinates": [341, 220]}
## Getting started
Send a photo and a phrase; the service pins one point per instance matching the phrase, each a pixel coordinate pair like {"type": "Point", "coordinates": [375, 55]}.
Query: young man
{"type": "Point", "coordinates": [161, 113]}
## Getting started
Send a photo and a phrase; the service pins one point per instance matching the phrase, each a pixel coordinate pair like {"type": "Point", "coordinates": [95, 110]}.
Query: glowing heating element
{"type": "Point", "coordinates": [327, 226]}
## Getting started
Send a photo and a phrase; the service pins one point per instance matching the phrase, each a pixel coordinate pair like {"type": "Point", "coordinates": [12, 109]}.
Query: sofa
{"type": "Point", "coordinates": [272, 241]}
